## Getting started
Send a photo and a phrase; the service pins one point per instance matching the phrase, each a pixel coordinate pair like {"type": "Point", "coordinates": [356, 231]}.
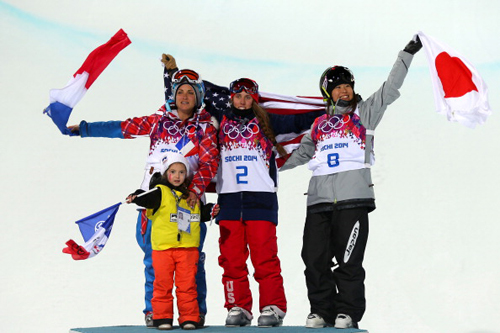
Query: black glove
{"type": "Point", "coordinates": [413, 46]}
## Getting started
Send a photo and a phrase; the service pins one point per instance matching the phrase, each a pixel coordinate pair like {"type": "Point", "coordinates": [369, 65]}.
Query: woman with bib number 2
{"type": "Point", "coordinates": [246, 187]}
{"type": "Point", "coordinates": [247, 182]}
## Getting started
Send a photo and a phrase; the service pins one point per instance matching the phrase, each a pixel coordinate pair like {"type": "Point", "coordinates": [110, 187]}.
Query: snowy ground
{"type": "Point", "coordinates": [433, 253]}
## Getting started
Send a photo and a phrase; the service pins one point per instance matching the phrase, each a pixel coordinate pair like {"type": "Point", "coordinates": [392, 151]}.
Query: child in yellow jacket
{"type": "Point", "coordinates": [175, 237]}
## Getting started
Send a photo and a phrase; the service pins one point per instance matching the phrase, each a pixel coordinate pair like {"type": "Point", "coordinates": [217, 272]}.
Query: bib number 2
{"type": "Point", "coordinates": [241, 176]}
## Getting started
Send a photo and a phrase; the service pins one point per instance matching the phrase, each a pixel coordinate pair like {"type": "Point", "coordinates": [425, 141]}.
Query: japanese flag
{"type": "Point", "coordinates": [459, 91]}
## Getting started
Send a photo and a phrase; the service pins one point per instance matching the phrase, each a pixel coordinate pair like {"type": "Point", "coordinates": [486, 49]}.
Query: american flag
{"type": "Point", "coordinates": [217, 100]}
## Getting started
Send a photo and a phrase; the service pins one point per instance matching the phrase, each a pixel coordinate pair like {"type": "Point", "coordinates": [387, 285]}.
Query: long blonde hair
{"type": "Point", "coordinates": [265, 125]}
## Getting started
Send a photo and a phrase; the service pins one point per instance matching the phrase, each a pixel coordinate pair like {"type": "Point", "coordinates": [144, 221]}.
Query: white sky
{"type": "Point", "coordinates": [433, 252]}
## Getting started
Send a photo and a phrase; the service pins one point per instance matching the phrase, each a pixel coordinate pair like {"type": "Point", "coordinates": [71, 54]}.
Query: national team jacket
{"type": "Point", "coordinates": [165, 233]}
{"type": "Point", "coordinates": [196, 137]}
{"type": "Point", "coordinates": [247, 178]}
{"type": "Point", "coordinates": [339, 148]}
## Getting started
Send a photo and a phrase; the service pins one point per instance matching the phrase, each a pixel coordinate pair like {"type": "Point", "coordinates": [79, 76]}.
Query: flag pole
{"type": "Point", "coordinates": [143, 193]}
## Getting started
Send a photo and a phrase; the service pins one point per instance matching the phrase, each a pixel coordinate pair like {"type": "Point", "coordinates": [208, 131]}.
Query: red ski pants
{"type": "Point", "coordinates": [237, 240]}
{"type": "Point", "coordinates": [180, 262]}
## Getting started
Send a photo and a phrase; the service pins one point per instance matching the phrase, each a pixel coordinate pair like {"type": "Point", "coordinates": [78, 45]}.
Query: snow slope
{"type": "Point", "coordinates": [433, 254]}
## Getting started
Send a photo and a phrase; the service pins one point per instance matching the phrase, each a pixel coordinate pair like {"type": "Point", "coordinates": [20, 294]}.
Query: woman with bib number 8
{"type": "Point", "coordinates": [339, 152]}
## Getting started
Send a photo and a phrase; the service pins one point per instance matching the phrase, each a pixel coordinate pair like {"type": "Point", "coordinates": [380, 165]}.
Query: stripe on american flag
{"type": "Point", "coordinates": [289, 105]}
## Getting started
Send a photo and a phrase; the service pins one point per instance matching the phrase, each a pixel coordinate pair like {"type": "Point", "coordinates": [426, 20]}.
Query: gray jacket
{"type": "Point", "coordinates": [352, 188]}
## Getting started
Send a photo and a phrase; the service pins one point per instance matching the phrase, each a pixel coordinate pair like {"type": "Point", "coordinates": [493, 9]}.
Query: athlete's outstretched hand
{"type": "Point", "coordinates": [413, 46]}
{"type": "Point", "coordinates": [168, 61]}
{"type": "Point", "coordinates": [74, 129]}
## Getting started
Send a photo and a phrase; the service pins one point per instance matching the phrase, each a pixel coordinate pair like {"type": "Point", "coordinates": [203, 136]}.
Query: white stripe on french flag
{"type": "Point", "coordinates": [62, 101]}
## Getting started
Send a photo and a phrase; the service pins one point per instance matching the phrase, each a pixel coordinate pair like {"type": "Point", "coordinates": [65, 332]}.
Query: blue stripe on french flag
{"type": "Point", "coordinates": [186, 147]}
{"type": "Point", "coordinates": [62, 101]}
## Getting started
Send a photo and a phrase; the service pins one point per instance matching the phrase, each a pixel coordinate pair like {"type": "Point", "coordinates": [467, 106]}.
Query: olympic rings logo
{"type": "Point", "coordinates": [173, 129]}
{"type": "Point", "coordinates": [245, 130]}
{"type": "Point", "coordinates": [333, 123]}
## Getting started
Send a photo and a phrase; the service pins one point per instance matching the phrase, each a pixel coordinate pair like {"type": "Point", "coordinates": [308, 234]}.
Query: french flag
{"type": "Point", "coordinates": [62, 101]}
{"type": "Point", "coordinates": [460, 93]}
{"type": "Point", "coordinates": [186, 147]}
{"type": "Point", "coordinates": [95, 230]}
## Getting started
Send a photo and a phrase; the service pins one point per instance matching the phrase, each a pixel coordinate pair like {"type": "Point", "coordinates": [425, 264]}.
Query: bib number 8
{"type": "Point", "coordinates": [333, 160]}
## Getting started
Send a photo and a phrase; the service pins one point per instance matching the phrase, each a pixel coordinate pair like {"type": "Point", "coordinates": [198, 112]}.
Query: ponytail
{"type": "Point", "coordinates": [265, 125]}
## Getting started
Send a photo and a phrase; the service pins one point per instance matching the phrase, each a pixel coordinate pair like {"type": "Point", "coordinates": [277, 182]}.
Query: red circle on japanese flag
{"type": "Point", "coordinates": [455, 76]}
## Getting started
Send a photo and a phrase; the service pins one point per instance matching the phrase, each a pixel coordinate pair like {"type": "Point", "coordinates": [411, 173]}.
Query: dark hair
{"type": "Point", "coordinates": [184, 188]}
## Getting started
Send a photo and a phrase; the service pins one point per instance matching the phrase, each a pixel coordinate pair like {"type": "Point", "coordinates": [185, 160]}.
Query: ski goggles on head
{"type": "Point", "coordinates": [339, 75]}
{"type": "Point", "coordinates": [186, 75]}
{"type": "Point", "coordinates": [250, 86]}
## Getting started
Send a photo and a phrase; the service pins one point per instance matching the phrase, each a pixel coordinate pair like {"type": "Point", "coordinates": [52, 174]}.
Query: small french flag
{"type": "Point", "coordinates": [186, 147]}
{"type": "Point", "coordinates": [95, 230]}
{"type": "Point", "coordinates": [62, 101]}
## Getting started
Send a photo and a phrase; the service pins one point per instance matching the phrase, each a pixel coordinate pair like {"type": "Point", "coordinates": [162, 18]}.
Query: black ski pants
{"type": "Point", "coordinates": [339, 235]}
